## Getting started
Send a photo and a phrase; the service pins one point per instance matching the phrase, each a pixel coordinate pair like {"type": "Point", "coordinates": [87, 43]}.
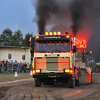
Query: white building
{"type": "Point", "coordinates": [16, 53]}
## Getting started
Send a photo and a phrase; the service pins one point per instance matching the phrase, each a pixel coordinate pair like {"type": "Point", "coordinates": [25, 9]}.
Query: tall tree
{"type": "Point", "coordinates": [5, 37]}
{"type": "Point", "coordinates": [17, 38]}
{"type": "Point", "coordinates": [26, 39]}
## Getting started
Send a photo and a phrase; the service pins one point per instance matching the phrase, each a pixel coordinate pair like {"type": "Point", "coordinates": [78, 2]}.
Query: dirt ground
{"type": "Point", "coordinates": [10, 77]}
{"type": "Point", "coordinates": [3, 91]}
{"type": "Point", "coordinates": [51, 90]}
{"type": "Point", "coordinates": [96, 94]}
{"type": "Point", "coordinates": [93, 96]}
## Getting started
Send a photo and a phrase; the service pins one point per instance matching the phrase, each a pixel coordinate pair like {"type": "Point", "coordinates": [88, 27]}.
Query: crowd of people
{"type": "Point", "coordinates": [10, 66]}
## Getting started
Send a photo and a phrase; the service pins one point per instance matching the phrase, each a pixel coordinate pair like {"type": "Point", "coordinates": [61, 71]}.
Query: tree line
{"type": "Point", "coordinates": [9, 38]}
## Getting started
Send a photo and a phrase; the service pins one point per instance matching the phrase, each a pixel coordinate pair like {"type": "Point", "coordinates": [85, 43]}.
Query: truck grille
{"type": "Point", "coordinates": [52, 63]}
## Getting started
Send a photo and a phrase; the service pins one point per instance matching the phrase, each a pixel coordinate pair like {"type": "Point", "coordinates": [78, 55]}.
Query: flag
{"type": "Point", "coordinates": [30, 38]}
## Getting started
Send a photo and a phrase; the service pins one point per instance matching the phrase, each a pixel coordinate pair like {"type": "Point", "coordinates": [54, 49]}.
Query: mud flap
{"type": "Point", "coordinates": [86, 75]}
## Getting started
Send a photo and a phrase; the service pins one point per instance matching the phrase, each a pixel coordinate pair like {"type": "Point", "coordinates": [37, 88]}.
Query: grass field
{"type": "Point", "coordinates": [4, 77]}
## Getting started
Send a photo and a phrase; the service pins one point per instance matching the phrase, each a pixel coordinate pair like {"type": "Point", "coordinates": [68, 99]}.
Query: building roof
{"type": "Point", "coordinates": [22, 47]}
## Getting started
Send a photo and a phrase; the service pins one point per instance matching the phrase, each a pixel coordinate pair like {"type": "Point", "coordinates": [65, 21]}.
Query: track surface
{"type": "Point", "coordinates": [26, 90]}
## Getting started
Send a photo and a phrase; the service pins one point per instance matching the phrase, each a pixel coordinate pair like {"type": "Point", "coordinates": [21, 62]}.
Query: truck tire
{"type": "Point", "coordinates": [38, 82]}
{"type": "Point", "coordinates": [71, 82]}
{"type": "Point", "coordinates": [78, 82]}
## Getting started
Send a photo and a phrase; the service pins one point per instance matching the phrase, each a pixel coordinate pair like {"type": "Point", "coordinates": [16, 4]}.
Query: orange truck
{"type": "Point", "coordinates": [55, 61]}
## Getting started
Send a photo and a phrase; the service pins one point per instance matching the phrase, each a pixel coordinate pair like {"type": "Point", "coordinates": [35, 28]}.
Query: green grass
{"type": "Point", "coordinates": [11, 76]}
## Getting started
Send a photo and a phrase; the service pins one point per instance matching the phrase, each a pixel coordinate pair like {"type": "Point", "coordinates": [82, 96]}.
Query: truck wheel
{"type": "Point", "coordinates": [71, 82]}
{"type": "Point", "coordinates": [78, 82]}
{"type": "Point", "coordinates": [38, 82]}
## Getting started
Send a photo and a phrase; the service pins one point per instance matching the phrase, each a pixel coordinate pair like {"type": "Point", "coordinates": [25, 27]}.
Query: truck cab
{"type": "Point", "coordinates": [54, 60]}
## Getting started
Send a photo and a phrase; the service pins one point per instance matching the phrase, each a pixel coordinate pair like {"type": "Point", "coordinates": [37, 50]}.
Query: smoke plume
{"type": "Point", "coordinates": [74, 15]}
{"type": "Point", "coordinates": [77, 14]}
{"type": "Point", "coordinates": [51, 12]}
{"type": "Point", "coordinates": [44, 9]}
{"type": "Point", "coordinates": [68, 13]}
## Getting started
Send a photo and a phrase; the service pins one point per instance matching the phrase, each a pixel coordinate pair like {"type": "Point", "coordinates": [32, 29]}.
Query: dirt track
{"type": "Point", "coordinates": [26, 90]}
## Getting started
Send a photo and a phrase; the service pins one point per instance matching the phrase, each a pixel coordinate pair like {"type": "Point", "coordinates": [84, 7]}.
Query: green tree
{"type": "Point", "coordinates": [17, 38]}
{"type": "Point", "coordinates": [5, 37]}
{"type": "Point", "coordinates": [26, 39]}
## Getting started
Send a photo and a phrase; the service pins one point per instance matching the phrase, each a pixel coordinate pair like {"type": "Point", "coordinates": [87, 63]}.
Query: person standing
{"type": "Point", "coordinates": [19, 68]}
{"type": "Point", "coordinates": [25, 65]}
{"type": "Point", "coordinates": [3, 69]}
{"type": "Point", "coordinates": [5, 66]}
{"type": "Point", "coordinates": [11, 65]}
{"type": "Point", "coordinates": [28, 67]}
{"type": "Point", "coordinates": [8, 66]}
{"type": "Point", "coordinates": [0, 66]}
{"type": "Point", "coordinates": [15, 64]}
{"type": "Point", "coordinates": [3, 62]}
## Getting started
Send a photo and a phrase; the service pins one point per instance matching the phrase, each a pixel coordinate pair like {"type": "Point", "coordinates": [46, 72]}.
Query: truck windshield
{"type": "Point", "coordinates": [61, 46]}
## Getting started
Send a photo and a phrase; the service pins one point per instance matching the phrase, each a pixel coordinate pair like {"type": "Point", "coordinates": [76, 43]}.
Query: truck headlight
{"type": "Point", "coordinates": [69, 71]}
{"type": "Point", "coordinates": [36, 71]}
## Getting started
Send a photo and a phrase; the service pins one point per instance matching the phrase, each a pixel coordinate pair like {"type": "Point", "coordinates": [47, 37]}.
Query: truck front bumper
{"type": "Point", "coordinates": [52, 75]}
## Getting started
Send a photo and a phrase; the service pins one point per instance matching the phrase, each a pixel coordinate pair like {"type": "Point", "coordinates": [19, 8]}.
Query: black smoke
{"type": "Point", "coordinates": [51, 12]}
{"type": "Point", "coordinates": [77, 8]}
{"type": "Point", "coordinates": [44, 9]}
{"type": "Point", "coordinates": [75, 15]}
{"type": "Point", "coordinates": [68, 13]}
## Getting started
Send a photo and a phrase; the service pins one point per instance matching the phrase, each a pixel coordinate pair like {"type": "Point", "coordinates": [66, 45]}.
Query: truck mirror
{"type": "Point", "coordinates": [74, 48]}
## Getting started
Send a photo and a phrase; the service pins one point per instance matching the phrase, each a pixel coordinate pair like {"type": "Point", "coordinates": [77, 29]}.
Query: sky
{"type": "Point", "coordinates": [19, 12]}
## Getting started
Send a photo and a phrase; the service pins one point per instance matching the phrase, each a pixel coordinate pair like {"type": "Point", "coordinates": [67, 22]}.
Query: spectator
{"type": "Point", "coordinates": [28, 67]}
{"type": "Point", "coordinates": [3, 62]}
{"type": "Point", "coordinates": [5, 66]}
{"type": "Point", "coordinates": [11, 63]}
{"type": "Point", "coordinates": [25, 65]}
{"type": "Point", "coordinates": [7, 63]}
{"type": "Point", "coordinates": [21, 63]}
{"type": "Point", "coordinates": [15, 64]}
{"type": "Point", "coordinates": [19, 68]}
{"type": "Point", "coordinates": [0, 66]}
{"type": "Point", "coordinates": [3, 69]}
{"type": "Point", "coordinates": [8, 67]}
